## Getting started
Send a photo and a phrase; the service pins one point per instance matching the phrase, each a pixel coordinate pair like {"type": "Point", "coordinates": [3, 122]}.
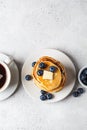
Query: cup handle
{"type": "Point", "coordinates": [8, 60]}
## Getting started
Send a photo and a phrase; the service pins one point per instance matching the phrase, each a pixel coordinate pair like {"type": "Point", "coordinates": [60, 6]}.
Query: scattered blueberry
{"type": "Point", "coordinates": [40, 72]}
{"type": "Point", "coordinates": [42, 65]}
{"type": "Point", "coordinates": [43, 97]}
{"type": "Point", "coordinates": [28, 77]}
{"type": "Point", "coordinates": [80, 90]}
{"type": "Point", "coordinates": [49, 96]}
{"type": "Point", "coordinates": [52, 68]}
{"type": "Point", "coordinates": [75, 93]}
{"type": "Point", "coordinates": [43, 92]}
{"type": "Point", "coordinates": [33, 63]}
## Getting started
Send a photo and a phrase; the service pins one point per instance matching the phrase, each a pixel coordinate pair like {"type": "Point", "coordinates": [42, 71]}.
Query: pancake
{"type": "Point", "coordinates": [59, 76]}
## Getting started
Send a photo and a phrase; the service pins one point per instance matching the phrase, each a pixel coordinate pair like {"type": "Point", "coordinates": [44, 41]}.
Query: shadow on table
{"type": "Point", "coordinates": [19, 65]}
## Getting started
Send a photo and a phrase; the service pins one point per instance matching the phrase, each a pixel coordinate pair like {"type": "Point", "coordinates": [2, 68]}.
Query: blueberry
{"type": "Point", "coordinates": [33, 63]}
{"type": "Point", "coordinates": [49, 96]}
{"type": "Point", "coordinates": [42, 65]}
{"type": "Point", "coordinates": [75, 94]}
{"type": "Point", "coordinates": [84, 81]}
{"type": "Point", "coordinates": [43, 92]}
{"type": "Point", "coordinates": [28, 77]}
{"type": "Point", "coordinates": [82, 77]}
{"type": "Point", "coordinates": [80, 90]}
{"type": "Point", "coordinates": [40, 72]}
{"type": "Point", "coordinates": [85, 71]}
{"type": "Point", "coordinates": [43, 97]}
{"type": "Point", "coordinates": [52, 68]}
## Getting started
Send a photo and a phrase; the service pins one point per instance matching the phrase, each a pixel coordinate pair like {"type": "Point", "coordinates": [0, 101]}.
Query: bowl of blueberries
{"type": "Point", "coordinates": [82, 76]}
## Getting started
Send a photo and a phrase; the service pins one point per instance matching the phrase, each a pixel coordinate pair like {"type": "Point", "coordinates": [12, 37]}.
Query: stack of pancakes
{"type": "Point", "coordinates": [59, 76]}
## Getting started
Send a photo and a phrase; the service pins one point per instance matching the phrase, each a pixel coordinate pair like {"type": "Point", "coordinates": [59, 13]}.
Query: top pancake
{"type": "Point", "coordinates": [59, 76]}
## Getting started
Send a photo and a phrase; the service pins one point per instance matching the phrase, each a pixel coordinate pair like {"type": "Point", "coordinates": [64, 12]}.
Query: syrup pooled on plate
{"type": "Point", "coordinates": [2, 76]}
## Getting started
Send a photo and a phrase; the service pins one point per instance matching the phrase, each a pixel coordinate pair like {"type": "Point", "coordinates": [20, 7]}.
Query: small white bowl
{"type": "Point", "coordinates": [79, 76]}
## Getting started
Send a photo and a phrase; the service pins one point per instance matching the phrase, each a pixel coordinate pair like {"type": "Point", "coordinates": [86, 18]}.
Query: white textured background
{"type": "Point", "coordinates": [29, 24]}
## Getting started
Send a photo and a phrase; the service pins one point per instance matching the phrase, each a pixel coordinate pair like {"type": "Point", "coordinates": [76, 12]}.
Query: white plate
{"type": "Point", "coordinates": [33, 90]}
{"type": "Point", "coordinates": [14, 78]}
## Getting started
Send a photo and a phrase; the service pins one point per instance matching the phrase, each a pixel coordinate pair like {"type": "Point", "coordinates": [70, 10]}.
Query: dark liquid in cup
{"type": "Point", "coordinates": [3, 73]}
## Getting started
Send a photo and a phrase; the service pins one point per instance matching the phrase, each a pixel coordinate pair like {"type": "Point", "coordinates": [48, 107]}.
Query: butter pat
{"type": "Point", "coordinates": [47, 75]}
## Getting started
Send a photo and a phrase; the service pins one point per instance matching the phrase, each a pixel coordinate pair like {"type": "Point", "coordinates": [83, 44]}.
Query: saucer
{"type": "Point", "coordinates": [14, 81]}
{"type": "Point", "coordinates": [29, 86]}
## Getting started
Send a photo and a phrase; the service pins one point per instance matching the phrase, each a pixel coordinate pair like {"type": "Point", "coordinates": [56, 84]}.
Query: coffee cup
{"type": "Point", "coordinates": [5, 74]}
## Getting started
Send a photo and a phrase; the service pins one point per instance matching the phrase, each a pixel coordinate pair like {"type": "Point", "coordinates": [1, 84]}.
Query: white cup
{"type": "Point", "coordinates": [5, 64]}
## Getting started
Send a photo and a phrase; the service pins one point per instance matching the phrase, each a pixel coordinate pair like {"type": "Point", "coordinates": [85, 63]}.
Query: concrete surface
{"type": "Point", "coordinates": [26, 25]}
